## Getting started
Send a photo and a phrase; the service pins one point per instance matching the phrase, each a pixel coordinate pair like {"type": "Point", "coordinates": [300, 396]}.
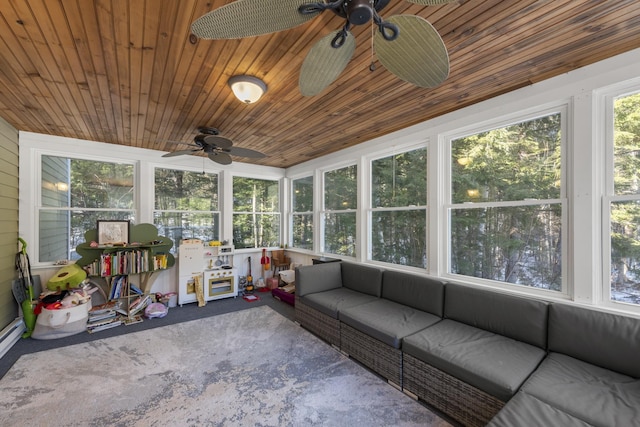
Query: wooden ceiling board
{"type": "Point", "coordinates": [126, 72]}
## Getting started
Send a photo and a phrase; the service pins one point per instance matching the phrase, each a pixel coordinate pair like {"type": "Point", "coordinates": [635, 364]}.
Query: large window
{"type": "Point", "coordinates": [506, 210]}
{"type": "Point", "coordinates": [186, 205]}
{"type": "Point", "coordinates": [74, 194]}
{"type": "Point", "coordinates": [302, 213]}
{"type": "Point", "coordinates": [624, 201]}
{"type": "Point", "coordinates": [340, 209]}
{"type": "Point", "coordinates": [256, 213]}
{"type": "Point", "coordinates": [398, 209]}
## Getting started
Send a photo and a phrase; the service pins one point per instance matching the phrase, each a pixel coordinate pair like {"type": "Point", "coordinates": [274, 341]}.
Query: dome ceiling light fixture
{"type": "Point", "coordinates": [247, 89]}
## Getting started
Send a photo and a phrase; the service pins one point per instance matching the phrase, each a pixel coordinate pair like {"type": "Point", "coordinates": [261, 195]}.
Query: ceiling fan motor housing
{"type": "Point", "coordinates": [359, 12]}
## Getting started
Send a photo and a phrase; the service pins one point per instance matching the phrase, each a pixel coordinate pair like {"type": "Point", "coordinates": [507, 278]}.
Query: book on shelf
{"type": "Point", "coordinates": [108, 324]}
{"type": "Point", "coordinates": [97, 317]}
{"type": "Point", "coordinates": [119, 287]}
{"type": "Point", "coordinates": [136, 305]}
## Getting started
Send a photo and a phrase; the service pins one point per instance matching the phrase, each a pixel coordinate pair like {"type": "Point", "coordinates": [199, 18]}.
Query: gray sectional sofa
{"type": "Point", "coordinates": [477, 355]}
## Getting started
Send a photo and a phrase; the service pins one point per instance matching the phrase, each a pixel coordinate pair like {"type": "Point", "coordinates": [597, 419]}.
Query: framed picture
{"type": "Point", "coordinates": [111, 232]}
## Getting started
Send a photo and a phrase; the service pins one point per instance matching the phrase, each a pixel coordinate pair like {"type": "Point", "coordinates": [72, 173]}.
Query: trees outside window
{"type": "Point", "coordinates": [74, 195]}
{"type": "Point", "coordinates": [624, 201]}
{"type": "Point", "coordinates": [398, 209]}
{"type": "Point", "coordinates": [340, 209]}
{"type": "Point", "coordinates": [186, 205]}
{"type": "Point", "coordinates": [302, 215]}
{"type": "Point", "coordinates": [256, 213]}
{"type": "Point", "coordinates": [506, 210]}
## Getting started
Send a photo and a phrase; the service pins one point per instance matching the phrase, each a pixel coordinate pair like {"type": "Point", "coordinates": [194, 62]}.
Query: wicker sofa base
{"type": "Point", "coordinates": [376, 355]}
{"type": "Point", "coordinates": [318, 323]}
{"type": "Point", "coordinates": [464, 403]}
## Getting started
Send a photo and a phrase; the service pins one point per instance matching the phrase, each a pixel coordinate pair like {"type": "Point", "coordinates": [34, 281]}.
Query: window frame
{"type": "Point", "coordinates": [295, 213]}
{"type": "Point", "coordinates": [37, 194]}
{"type": "Point", "coordinates": [563, 108]}
{"type": "Point", "coordinates": [323, 211]}
{"type": "Point", "coordinates": [233, 212]}
{"type": "Point", "coordinates": [605, 117]}
{"type": "Point", "coordinates": [154, 210]}
{"type": "Point", "coordinates": [370, 209]}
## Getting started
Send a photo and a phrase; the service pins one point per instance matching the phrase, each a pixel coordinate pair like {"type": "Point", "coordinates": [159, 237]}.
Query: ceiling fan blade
{"type": "Point", "coordinates": [182, 152]}
{"type": "Point", "coordinates": [222, 158]}
{"type": "Point", "coordinates": [249, 18]}
{"type": "Point", "coordinates": [430, 2]}
{"type": "Point", "coordinates": [245, 152]}
{"type": "Point", "coordinates": [218, 141]}
{"type": "Point", "coordinates": [324, 63]}
{"type": "Point", "coordinates": [418, 55]}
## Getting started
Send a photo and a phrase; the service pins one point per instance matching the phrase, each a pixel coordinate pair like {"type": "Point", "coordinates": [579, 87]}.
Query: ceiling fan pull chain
{"type": "Point", "coordinates": [372, 66]}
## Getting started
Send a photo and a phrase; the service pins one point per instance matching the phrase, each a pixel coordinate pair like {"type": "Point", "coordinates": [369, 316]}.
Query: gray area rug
{"type": "Point", "coordinates": [248, 368]}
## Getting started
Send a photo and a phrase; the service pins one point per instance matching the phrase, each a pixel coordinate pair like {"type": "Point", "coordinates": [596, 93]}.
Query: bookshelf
{"type": "Point", "coordinates": [127, 269]}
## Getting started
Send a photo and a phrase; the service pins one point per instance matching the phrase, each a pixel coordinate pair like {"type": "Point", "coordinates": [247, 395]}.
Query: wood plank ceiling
{"type": "Point", "coordinates": [126, 72]}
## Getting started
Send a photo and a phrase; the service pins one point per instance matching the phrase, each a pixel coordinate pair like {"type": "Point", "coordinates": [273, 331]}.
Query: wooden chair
{"type": "Point", "coordinates": [279, 261]}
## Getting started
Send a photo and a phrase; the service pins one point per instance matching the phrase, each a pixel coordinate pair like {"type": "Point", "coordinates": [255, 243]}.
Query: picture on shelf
{"type": "Point", "coordinates": [113, 232]}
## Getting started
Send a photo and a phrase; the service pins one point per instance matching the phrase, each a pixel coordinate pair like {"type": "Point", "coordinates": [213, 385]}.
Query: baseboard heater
{"type": "Point", "coordinates": [10, 335]}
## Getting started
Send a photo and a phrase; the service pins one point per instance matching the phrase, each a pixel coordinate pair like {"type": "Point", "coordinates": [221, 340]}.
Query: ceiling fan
{"type": "Point", "coordinates": [406, 45]}
{"type": "Point", "coordinates": [218, 148]}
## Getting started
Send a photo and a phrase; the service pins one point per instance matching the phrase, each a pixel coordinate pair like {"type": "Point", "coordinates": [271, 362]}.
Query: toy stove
{"type": "Point", "coordinates": [219, 282]}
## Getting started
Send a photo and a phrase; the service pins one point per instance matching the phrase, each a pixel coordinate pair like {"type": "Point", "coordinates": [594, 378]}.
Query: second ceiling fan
{"type": "Point", "coordinates": [406, 45]}
{"type": "Point", "coordinates": [218, 148]}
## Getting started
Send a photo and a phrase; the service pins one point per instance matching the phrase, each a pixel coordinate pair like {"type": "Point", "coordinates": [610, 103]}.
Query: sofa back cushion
{"type": "Point", "coordinates": [520, 318]}
{"type": "Point", "coordinates": [361, 278]}
{"type": "Point", "coordinates": [318, 278]}
{"type": "Point", "coordinates": [607, 340]}
{"type": "Point", "coordinates": [419, 292]}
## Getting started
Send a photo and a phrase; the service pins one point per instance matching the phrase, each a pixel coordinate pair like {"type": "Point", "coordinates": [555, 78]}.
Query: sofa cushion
{"type": "Point", "coordinates": [362, 278]}
{"type": "Point", "coordinates": [412, 290]}
{"type": "Point", "coordinates": [603, 339]}
{"type": "Point", "coordinates": [492, 363]}
{"type": "Point", "coordinates": [331, 302]}
{"type": "Point", "coordinates": [524, 410]}
{"type": "Point", "coordinates": [318, 278]}
{"type": "Point", "coordinates": [596, 395]}
{"type": "Point", "coordinates": [387, 321]}
{"type": "Point", "coordinates": [520, 318]}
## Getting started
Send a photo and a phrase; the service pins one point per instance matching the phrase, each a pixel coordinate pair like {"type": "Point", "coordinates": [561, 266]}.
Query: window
{"type": "Point", "coordinates": [624, 201]}
{"type": "Point", "coordinates": [399, 212]}
{"type": "Point", "coordinates": [340, 208]}
{"type": "Point", "coordinates": [186, 205]}
{"type": "Point", "coordinates": [256, 213]}
{"type": "Point", "coordinates": [74, 194]}
{"type": "Point", "coordinates": [506, 212]}
{"type": "Point", "coordinates": [302, 216]}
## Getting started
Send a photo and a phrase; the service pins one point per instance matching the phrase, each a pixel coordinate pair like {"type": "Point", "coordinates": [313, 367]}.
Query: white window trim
{"type": "Point", "coordinates": [423, 143]}
{"type": "Point", "coordinates": [190, 169]}
{"type": "Point", "coordinates": [292, 213]}
{"type": "Point", "coordinates": [228, 222]}
{"type": "Point", "coordinates": [604, 112]}
{"type": "Point", "coordinates": [322, 212]}
{"type": "Point", "coordinates": [34, 195]}
{"type": "Point", "coordinates": [563, 108]}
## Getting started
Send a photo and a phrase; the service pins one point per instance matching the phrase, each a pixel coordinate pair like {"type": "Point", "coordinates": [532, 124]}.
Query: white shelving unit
{"type": "Point", "coordinates": [212, 265]}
